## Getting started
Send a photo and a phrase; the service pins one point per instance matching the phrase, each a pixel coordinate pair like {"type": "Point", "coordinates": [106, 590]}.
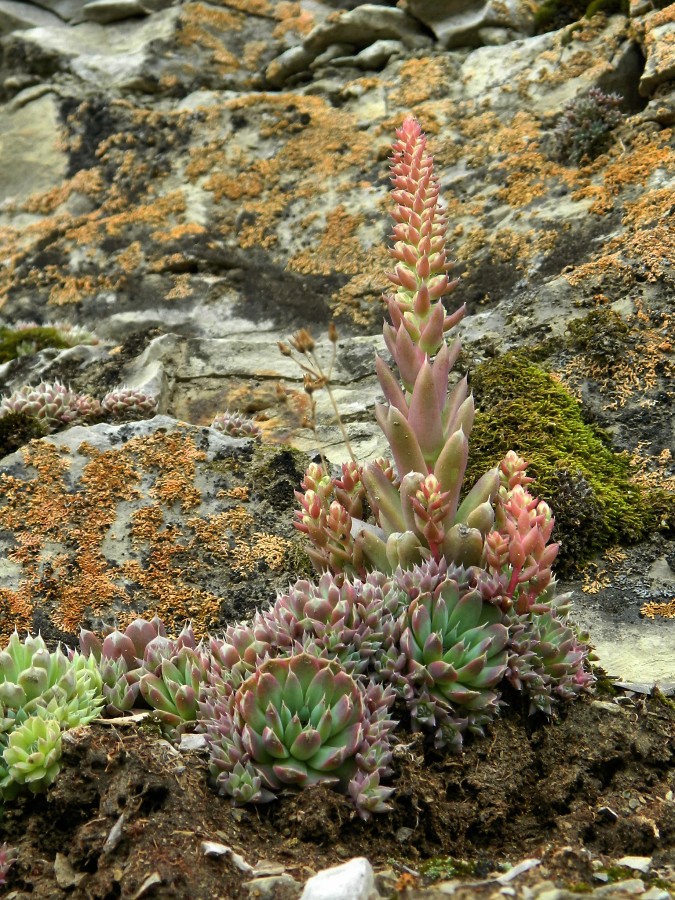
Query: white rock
{"type": "Point", "coordinates": [639, 863]}
{"type": "Point", "coordinates": [14, 15]}
{"type": "Point", "coordinates": [353, 880]}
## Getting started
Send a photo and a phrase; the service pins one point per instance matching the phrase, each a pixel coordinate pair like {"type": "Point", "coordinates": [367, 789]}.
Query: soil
{"type": "Point", "coordinates": [129, 812]}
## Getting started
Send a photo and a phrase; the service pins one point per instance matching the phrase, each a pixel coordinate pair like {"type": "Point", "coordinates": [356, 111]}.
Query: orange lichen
{"type": "Point", "coordinates": [338, 250]}
{"type": "Point", "coordinates": [421, 79]}
{"type": "Point", "coordinates": [87, 181]}
{"type": "Point", "coordinates": [177, 232]}
{"type": "Point", "coordinates": [206, 26]}
{"type": "Point", "coordinates": [66, 538]}
{"type": "Point", "coordinates": [653, 609]}
{"type": "Point", "coordinates": [292, 17]}
{"type": "Point", "coordinates": [182, 288]}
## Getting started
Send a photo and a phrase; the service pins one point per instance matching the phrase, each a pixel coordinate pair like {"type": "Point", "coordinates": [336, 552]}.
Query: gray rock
{"type": "Point", "coordinates": [353, 880]}
{"type": "Point", "coordinates": [290, 62]}
{"type": "Point", "coordinates": [15, 16]}
{"type": "Point", "coordinates": [659, 47]}
{"type": "Point", "coordinates": [365, 25]}
{"type": "Point", "coordinates": [472, 23]}
{"type": "Point", "coordinates": [67, 10]}
{"type": "Point", "coordinates": [138, 484]}
{"type": "Point", "coordinates": [333, 51]}
{"type": "Point", "coordinates": [113, 56]}
{"type": "Point", "coordinates": [378, 54]}
{"type": "Point", "coordinates": [269, 886]}
{"type": "Point", "coordinates": [31, 159]}
{"type": "Point", "coordinates": [105, 11]}
{"type": "Point", "coordinates": [66, 876]}
{"type": "Point", "coordinates": [534, 63]}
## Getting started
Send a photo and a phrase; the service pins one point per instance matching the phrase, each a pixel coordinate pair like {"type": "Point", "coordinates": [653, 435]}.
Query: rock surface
{"type": "Point", "coordinates": [104, 523]}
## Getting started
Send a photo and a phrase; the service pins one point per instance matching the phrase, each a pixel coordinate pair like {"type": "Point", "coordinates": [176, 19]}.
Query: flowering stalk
{"type": "Point", "coordinates": [417, 509]}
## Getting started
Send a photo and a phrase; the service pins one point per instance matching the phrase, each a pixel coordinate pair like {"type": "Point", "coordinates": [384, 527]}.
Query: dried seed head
{"type": "Point", "coordinates": [302, 341]}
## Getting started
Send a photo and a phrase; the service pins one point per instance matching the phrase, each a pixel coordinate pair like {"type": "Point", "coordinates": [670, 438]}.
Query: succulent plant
{"type": "Point", "coordinates": [174, 692]}
{"type": "Point", "coordinates": [52, 403]}
{"type": "Point", "coordinates": [452, 653]}
{"type": "Point", "coordinates": [417, 510]}
{"type": "Point", "coordinates": [142, 667]}
{"type": "Point", "coordinates": [236, 425]}
{"type": "Point", "coordinates": [33, 679]}
{"type": "Point", "coordinates": [585, 123]}
{"type": "Point", "coordinates": [128, 401]}
{"type": "Point", "coordinates": [31, 755]}
{"type": "Point", "coordinates": [302, 720]}
{"type": "Point", "coordinates": [517, 549]}
{"type": "Point", "coordinates": [352, 621]}
{"type": "Point", "coordinates": [549, 658]}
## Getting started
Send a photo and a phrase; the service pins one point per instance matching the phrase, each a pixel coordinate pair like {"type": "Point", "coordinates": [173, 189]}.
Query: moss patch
{"type": "Point", "coordinates": [522, 408]}
{"type": "Point", "coordinates": [25, 341]}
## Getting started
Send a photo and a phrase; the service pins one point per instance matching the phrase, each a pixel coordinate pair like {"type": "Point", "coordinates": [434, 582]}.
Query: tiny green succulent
{"type": "Point", "coordinates": [31, 758]}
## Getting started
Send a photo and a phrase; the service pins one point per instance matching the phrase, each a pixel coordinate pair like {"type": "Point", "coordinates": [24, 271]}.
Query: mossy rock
{"type": "Point", "coordinates": [26, 341]}
{"type": "Point", "coordinates": [602, 334]}
{"type": "Point", "coordinates": [522, 407]}
{"type": "Point", "coordinates": [554, 14]}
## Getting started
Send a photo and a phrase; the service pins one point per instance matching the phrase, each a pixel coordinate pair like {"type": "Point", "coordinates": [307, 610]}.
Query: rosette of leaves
{"type": "Point", "coordinates": [549, 659]}
{"type": "Point", "coordinates": [31, 755]}
{"type": "Point", "coordinates": [453, 652]}
{"type": "Point", "coordinates": [128, 402]}
{"type": "Point", "coordinates": [143, 651]}
{"type": "Point", "coordinates": [33, 679]}
{"type": "Point", "coordinates": [174, 691]}
{"type": "Point", "coordinates": [350, 620]}
{"type": "Point", "coordinates": [236, 425]}
{"type": "Point", "coordinates": [41, 694]}
{"type": "Point", "coordinates": [302, 720]}
{"type": "Point", "coordinates": [51, 403]}
{"type": "Point", "coordinates": [584, 125]}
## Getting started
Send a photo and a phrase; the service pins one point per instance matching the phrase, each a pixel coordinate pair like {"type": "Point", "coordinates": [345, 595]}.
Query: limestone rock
{"type": "Point", "coordinates": [151, 516]}
{"type": "Point", "coordinates": [117, 55]}
{"type": "Point", "coordinates": [15, 16]}
{"type": "Point", "coordinates": [358, 28]}
{"type": "Point", "coordinates": [30, 157]}
{"type": "Point", "coordinates": [68, 10]}
{"type": "Point", "coordinates": [660, 52]}
{"type": "Point", "coordinates": [472, 23]}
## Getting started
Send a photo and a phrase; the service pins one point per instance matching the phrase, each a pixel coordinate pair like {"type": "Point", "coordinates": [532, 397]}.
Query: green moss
{"type": "Point", "coordinates": [602, 334]}
{"type": "Point", "coordinates": [522, 408]}
{"type": "Point", "coordinates": [442, 867]}
{"type": "Point", "coordinates": [607, 6]}
{"type": "Point", "coordinates": [26, 341]}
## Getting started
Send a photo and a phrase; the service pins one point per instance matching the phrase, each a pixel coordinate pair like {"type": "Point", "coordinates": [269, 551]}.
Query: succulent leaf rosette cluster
{"type": "Point", "coordinates": [42, 692]}
{"type": "Point", "coordinates": [237, 425]}
{"type": "Point", "coordinates": [302, 720]}
{"type": "Point", "coordinates": [56, 406]}
{"type": "Point", "coordinates": [142, 668]}
{"type": "Point", "coordinates": [432, 593]}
